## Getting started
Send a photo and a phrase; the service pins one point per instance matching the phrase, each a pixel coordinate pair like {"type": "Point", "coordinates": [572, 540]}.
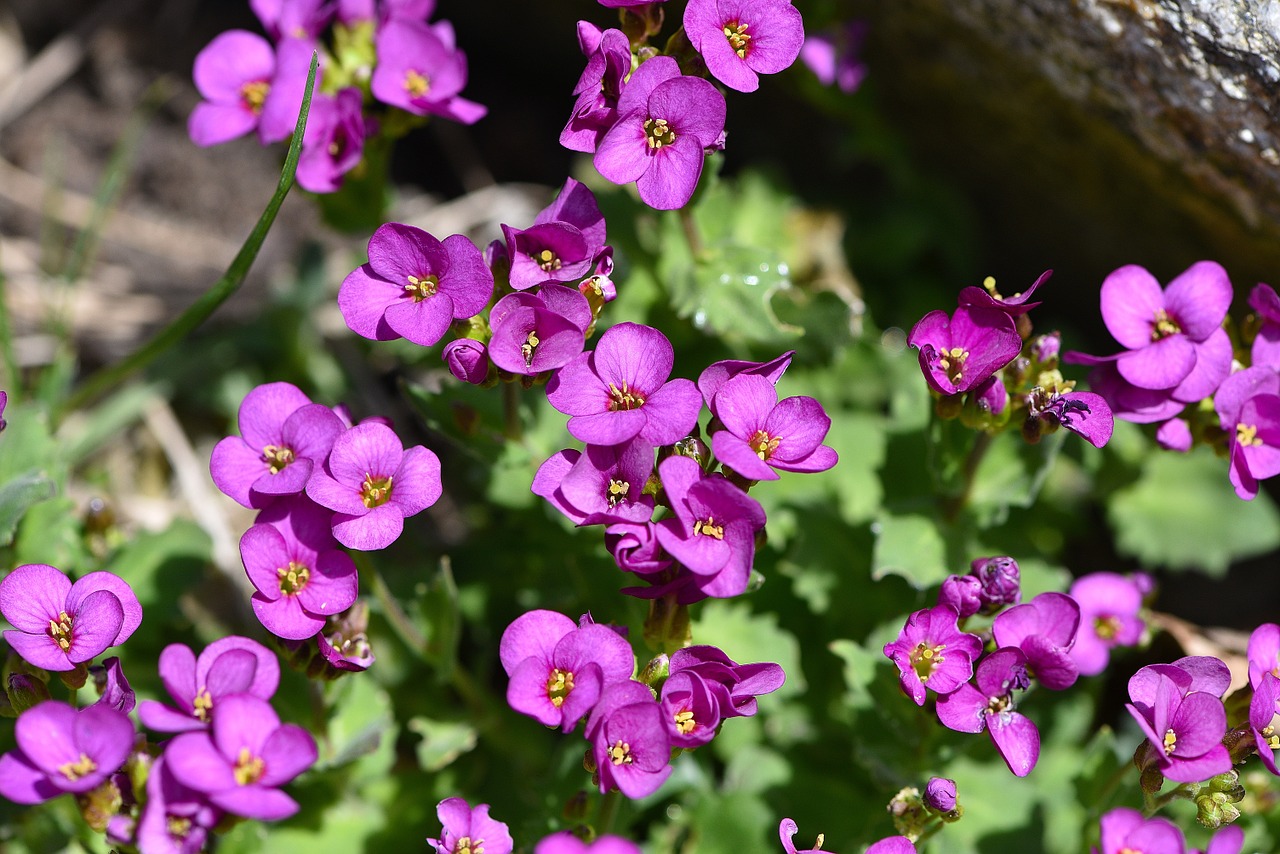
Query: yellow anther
{"type": "Point", "coordinates": [708, 528]}
{"type": "Point", "coordinates": [416, 84]}
{"type": "Point", "coordinates": [1162, 326]}
{"type": "Point", "coordinates": [925, 659]}
{"type": "Point", "coordinates": [423, 287]}
{"type": "Point", "coordinates": [254, 95]}
{"type": "Point", "coordinates": [375, 491]}
{"type": "Point", "coordinates": [559, 685]}
{"type": "Point", "coordinates": [685, 722]}
{"type": "Point", "coordinates": [738, 38]}
{"type": "Point", "coordinates": [1247, 435]}
{"type": "Point", "coordinates": [618, 491]}
{"type": "Point", "coordinates": [1170, 741]}
{"type": "Point", "coordinates": [277, 457]}
{"type": "Point", "coordinates": [658, 133]}
{"type": "Point", "coordinates": [249, 768]}
{"type": "Point", "coordinates": [763, 444]}
{"type": "Point", "coordinates": [548, 261]}
{"type": "Point", "coordinates": [293, 578]}
{"type": "Point", "coordinates": [620, 753]}
{"type": "Point", "coordinates": [60, 631]}
{"type": "Point", "coordinates": [624, 399]}
{"type": "Point", "coordinates": [203, 704]}
{"type": "Point", "coordinates": [529, 347]}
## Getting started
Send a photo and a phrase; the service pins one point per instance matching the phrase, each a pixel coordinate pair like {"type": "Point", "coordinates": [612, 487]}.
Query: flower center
{"type": "Point", "coordinates": [708, 528]}
{"type": "Point", "coordinates": [547, 260]}
{"type": "Point", "coordinates": [624, 399]}
{"type": "Point", "coordinates": [1106, 627]}
{"type": "Point", "coordinates": [559, 684]}
{"type": "Point", "coordinates": [375, 491]}
{"type": "Point", "coordinates": [925, 659]}
{"type": "Point", "coordinates": [1163, 325]}
{"type": "Point", "coordinates": [60, 631]}
{"type": "Point", "coordinates": [658, 133]}
{"type": "Point", "coordinates": [952, 361]}
{"type": "Point", "coordinates": [467, 845]}
{"type": "Point", "coordinates": [416, 84]}
{"type": "Point", "coordinates": [249, 768]}
{"type": "Point", "coordinates": [82, 767]}
{"type": "Point", "coordinates": [421, 288]}
{"type": "Point", "coordinates": [620, 753]}
{"type": "Point", "coordinates": [618, 491]}
{"type": "Point", "coordinates": [177, 827]}
{"type": "Point", "coordinates": [529, 346]}
{"type": "Point", "coordinates": [277, 457]}
{"type": "Point", "coordinates": [293, 578]}
{"type": "Point", "coordinates": [998, 705]}
{"type": "Point", "coordinates": [763, 444]}
{"type": "Point", "coordinates": [253, 94]}
{"type": "Point", "coordinates": [1247, 435]}
{"type": "Point", "coordinates": [685, 722]}
{"type": "Point", "coordinates": [1170, 742]}
{"type": "Point", "coordinates": [203, 704]}
{"type": "Point", "coordinates": [738, 39]}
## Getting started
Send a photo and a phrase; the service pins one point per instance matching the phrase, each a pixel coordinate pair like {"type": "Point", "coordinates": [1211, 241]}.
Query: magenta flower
{"type": "Point", "coordinates": [563, 243]}
{"type": "Point", "coordinates": [1125, 830]}
{"type": "Point", "coordinates": [713, 529]}
{"type": "Point", "coordinates": [601, 486]}
{"type": "Point", "coordinates": [344, 644]}
{"type": "Point", "coordinates": [621, 390]}
{"type": "Point", "coordinates": [1248, 406]}
{"type": "Point", "coordinates": [932, 652]}
{"type": "Point", "coordinates": [1266, 346]}
{"type": "Point", "coordinates": [715, 375]}
{"type": "Point", "coordinates": [1264, 653]}
{"type": "Point", "coordinates": [763, 434]}
{"type": "Point", "coordinates": [230, 665]}
{"type": "Point", "coordinates": [467, 359]}
{"type": "Point", "coordinates": [373, 483]}
{"type": "Point", "coordinates": [1084, 413]}
{"type": "Point", "coordinates": [113, 688]}
{"type": "Point", "coordinates": [1109, 606]}
{"type": "Point", "coordinates": [58, 625]}
{"type": "Point", "coordinates": [558, 669]}
{"type": "Point", "coordinates": [741, 39]}
{"type": "Point", "coordinates": [788, 829]}
{"type": "Point", "coordinates": [893, 845]}
{"type": "Point", "coordinates": [1014, 306]}
{"type": "Point", "coordinates": [292, 18]}
{"type": "Point", "coordinates": [564, 842]}
{"type": "Point", "coordinates": [629, 740]}
{"type": "Point", "coordinates": [734, 686]}
{"type": "Point", "coordinates": [635, 548]}
{"type": "Point", "coordinates": [940, 794]}
{"type": "Point", "coordinates": [1127, 401]}
{"type": "Point", "coordinates": [234, 73]}
{"type": "Point", "coordinates": [421, 71]}
{"type": "Point", "coordinates": [691, 711]}
{"type": "Point", "coordinates": [961, 351]}
{"type": "Point", "coordinates": [1227, 840]}
{"type": "Point", "coordinates": [176, 819]}
{"type": "Point", "coordinates": [1264, 707]}
{"type": "Point", "coordinates": [598, 89]}
{"type": "Point", "coordinates": [990, 706]}
{"type": "Point", "coordinates": [469, 830]}
{"type": "Point", "coordinates": [538, 332]}
{"type": "Point", "coordinates": [1045, 630]}
{"type": "Point", "coordinates": [962, 593]}
{"type": "Point", "coordinates": [835, 56]}
{"type": "Point", "coordinates": [242, 761]}
{"type": "Point", "coordinates": [4, 399]}
{"type": "Point", "coordinates": [61, 749]}
{"type": "Point", "coordinates": [665, 123]}
{"type": "Point", "coordinates": [297, 585]}
{"type": "Point", "coordinates": [333, 143]}
{"type": "Point", "coordinates": [1000, 580]}
{"type": "Point", "coordinates": [1178, 707]}
{"type": "Point", "coordinates": [283, 438]}
{"type": "Point", "coordinates": [414, 285]}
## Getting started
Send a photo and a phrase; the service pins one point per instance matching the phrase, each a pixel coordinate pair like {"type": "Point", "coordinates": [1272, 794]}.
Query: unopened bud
{"type": "Point", "coordinates": [1001, 582]}
{"type": "Point", "coordinates": [949, 406]}
{"type": "Point", "coordinates": [909, 816]}
{"type": "Point", "coordinates": [940, 796]}
{"type": "Point", "coordinates": [25, 691]}
{"type": "Point", "coordinates": [656, 671]}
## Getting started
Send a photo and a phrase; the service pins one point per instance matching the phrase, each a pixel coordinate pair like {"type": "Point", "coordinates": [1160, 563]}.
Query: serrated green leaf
{"type": "Point", "coordinates": [909, 546]}
{"type": "Point", "coordinates": [1183, 514]}
{"type": "Point", "coordinates": [860, 666]}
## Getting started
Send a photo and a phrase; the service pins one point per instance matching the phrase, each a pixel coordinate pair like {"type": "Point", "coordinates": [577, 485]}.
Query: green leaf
{"type": "Point", "coordinates": [160, 565]}
{"type": "Point", "coordinates": [361, 724]}
{"type": "Point", "coordinates": [1183, 514]}
{"type": "Point", "coordinates": [860, 666]}
{"type": "Point", "coordinates": [16, 497]}
{"type": "Point", "coordinates": [747, 637]}
{"type": "Point", "coordinates": [909, 546]}
{"type": "Point", "coordinates": [1011, 474]}
{"type": "Point", "coordinates": [50, 533]}
{"type": "Point", "coordinates": [442, 741]}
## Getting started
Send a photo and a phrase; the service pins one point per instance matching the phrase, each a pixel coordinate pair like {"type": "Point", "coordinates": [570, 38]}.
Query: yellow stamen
{"type": "Point", "coordinates": [1163, 325]}
{"type": "Point", "coordinates": [1170, 742]}
{"type": "Point", "coordinates": [738, 39]}
{"type": "Point", "coordinates": [620, 753]}
{"type": "Point", "coordinates": [375, 491]}
{"type": "Point", "coordinates": [1247, 435]}
{"type": "Point", "coordinates": [658, 133]}
{"type": "Point", "coordinates": [925, 659]}
{"type": "Point", "coordinates": [708, 528]}
{"type": "Point", "coordinates": [559, 685]}
{"type": "Point", "coordinates": [277, 457]}
{"type": "Point", "coordinates": [293, 578]}
{"type": "Point", "coordinates": [763, 444]}
{"type": "Point", "coordinates": [249, 768]}
{"type": "Point", "coordinates": [416, 84]}
{"type": "Point", "coordinates": [82, 767]}
{"type": "Point", "coordinates": [618, 491]}
{"type": "Point", "coordinates": [254, 95]}
{"type": "Point", "coordinates": [624, 399]}
{"type": "Point", "coordinates": [203, 704]}
{"type": "Point", "coordinates": [548, 261]}
{"type": "Point", "coordinates": [529, 347]}
{"type": "Point", "coordinates": [685, 722]}
{"type": "Point", "coordinates": [421, 288]}
{"type": "Point", "coordinates": [60, 631]}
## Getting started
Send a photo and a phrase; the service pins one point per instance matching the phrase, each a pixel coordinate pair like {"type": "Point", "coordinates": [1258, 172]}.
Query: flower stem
{"type": "Point", "coordinates": [691, 234]}
{"type": "Point", "coordinates": [511, 426]}
{"type": "Point", "coordinates": [608, 812]}
{"type": "Point", "coordinates": [399, 620]}
{"type": "Point", "coordinates": [954, 503]}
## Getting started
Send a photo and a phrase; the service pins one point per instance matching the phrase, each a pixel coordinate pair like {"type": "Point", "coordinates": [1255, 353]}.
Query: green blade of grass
{"type": "Point", "coordinates": [111, 375]}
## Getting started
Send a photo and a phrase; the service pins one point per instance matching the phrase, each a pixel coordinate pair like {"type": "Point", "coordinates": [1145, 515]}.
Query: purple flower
{"type": "Point", "coordinates": [373, 483]}
{"type": "Point", "coordinates": [932, 652]}
{"type": "Point", "coordinates": [1109, 606]}
{"type": "Point", "coordinates": [1045, 630]}
{"type": "Point", "coordinates": [1124, 831]}
{"type": "Point", "coordinates": [420, 71]}
{"type": "Point", "coordinates": [603, 485]}
{"type": "Point", "coordinates": [893, 845]}
{"type": "Point", "coordinates": [629, 741]}
{"type": "Point", "coordinates": [469, 830]}
{"type": "Point", "coordinates": [835, 56]}
{"type": "Point", "coordinates": [241, 763]}
{"type": "Point", "coordinates": [559, 670]}
{"type": "Point", "coordinates": [717, 374]}
{"type": "Point", "coordinates": [1248, 406]}
{"type": "Point", "coordinates": [4, 399]}
{"type": "Point", "coordinates": [621, 390]}
{"type": "Point", "coordinates": [176, 819]}
{"type": "Point", "coordinates": [1175, 435]}
{"type": "Point", "coordinates": [988, 297]}
{"type": "Point", "coordinates": [467, 359]}
{"type": "Point", "coordinates": [414, 285]}
{"type": "Point", "coordinates": [713, 529]}
{"type": "Point", "coordinates": [734, 686]}
{"type": "Point", "coordinates": [963, 593]}
{"type": "Point", "coordinates": [283, 438]}
{"type": "Point", "coordinates": [961, 351]}
{"type": "Point", "coordinates": [58, 625]}
{"type": "Point", "coordinates": [1127, 401]}
{"type": "Point", "coordinates": [762, 434]}
{"type": "Point", "coordinates": [1264, 707]}
{"type": "Point", "coordinates": [538, 332]}
{"type": "Point", "coordinates": [230, 665]}
{"type": "Point", "coordinates": [1000, 579]}
{"type": "Point", "coordinates": [691, 710]}
{"type": "Point", "coordinates": [1227, 840]}
{"type": "Point", "coordinates": [291, 18]}
{"type": "Point", "coordinates": [344, 643]}
{"type": "Point", "coordinates": [1083, 413]}
{"type": "Point", "coordinates": [333, 143]}
{"type": "Point", "coordinates": [1264, 653]}
{"type": "Point", "coordinates": [1266, 346]}
{"type": "Point", "coordinates": [787, 829]}
{"type": "Point", "coordinates": [598, 90]}
{"type": "Point", "coordinates": [635, 548]}
{"type": "Point", "coordinates": [940, 794]}
{"type": "Point", "coordinates": [1178, 707]}
{"type": "Point", "coordinates": [284, 101]}
{"type": "Point", "coordinates": [1165, 330]}
{"type": "Point", "coordinates": [665, 123]}
{"type": "Point", "coordinates": [564, 842]}
{"type": "Point", "coordinates": [233, 73]}
{"type": "Point", "coordinates": [562, 244]}
{"type": "Point", "coordinates": [112, 686]}
{"type": "Point", "coordinates": [298, 585]}
{"type": "Point", "coordinates": [990, 706]}
{"type": "Point", "coordinates": [740, 39]}
{"type": "Point", "coordinates": [61, 749]}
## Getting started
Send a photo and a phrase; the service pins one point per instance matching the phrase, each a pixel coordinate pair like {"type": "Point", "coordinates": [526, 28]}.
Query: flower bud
{"type": "Point", "coordinates": [656, 671]}
{"type": "Point", "coordinates": [26, 691]}
{"type": "Point", "coordinates": [909, 816]}
{"type": "Point", "coordinates": [940, 796]}
{"type": "Point", "coordinates": [1000, 580]}
{"type": "Point", "coordinates": [468, 360]}
{"type": "Point", "coordinates": [1045, 348]}
{"type": "Point", "coordinates": [1215, 809]}
{"type": "Point", "coordinates": [962, 592]}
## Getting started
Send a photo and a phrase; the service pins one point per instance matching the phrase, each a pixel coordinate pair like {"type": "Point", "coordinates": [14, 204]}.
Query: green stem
{"type": "Point", "coordinates": [691, 234]}
{"type": "Point", "coordinates": [8, 356]}
{"type": "Point", "coordinates": [953, 504]}
{"type": "Point", "coordinates": [112, 375]}
{"type": "Point", "coordinates": [399, 620]}
{"type": "Point", "coordinates": [319, 711]}
{"type": "Point", "coordinates": [608, 813]}
{"type": "Point", "coordinates": [511, 426]}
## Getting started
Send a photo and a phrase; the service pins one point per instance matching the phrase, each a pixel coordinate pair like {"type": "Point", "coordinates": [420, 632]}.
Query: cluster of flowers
{"type": "Point", "coordinates": [623, 406]}
{"type": "Point", "coordinates": [647, 122]}
{"type": "Point", "coordinates": [415, 287]}
{"type": "Point", "coordinates": [1036, 640]}
{"type": "Point", "coordinates": [380, 65]}
{"type": "Point", "coordinates": [915, 816]}
{"type": "Point", "coordinates": [318, 481]}
{"type": "Point", "coordinates": [231, 752]}
{"type": "Point", "coordinates": [986, 368]}
{"type": "Point", "coordinates": [470, 830]}
{"type": "Point", "coordinates": [1179, 354]}
{"type": "Point", "coordinates": [562, 672]}
{"type": "Point", "coordinates": [1125, 830]}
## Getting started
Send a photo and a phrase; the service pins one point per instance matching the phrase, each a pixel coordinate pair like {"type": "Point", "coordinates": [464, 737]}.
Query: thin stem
{"type": "Point", "coordinates": [400, 622]}
{"type": "Point", "coordinates": [953, 504]}
{"type": "Point", "coordinates": [319, 710]}
{"type": "Point", "coordinates": [511, 426]}
{"type": "Point", "coordinates": [112, 375]}
{"type": "Point", "coordinates": [608, 812]}
{"type": "Point", "coordinates": [691, 234]}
